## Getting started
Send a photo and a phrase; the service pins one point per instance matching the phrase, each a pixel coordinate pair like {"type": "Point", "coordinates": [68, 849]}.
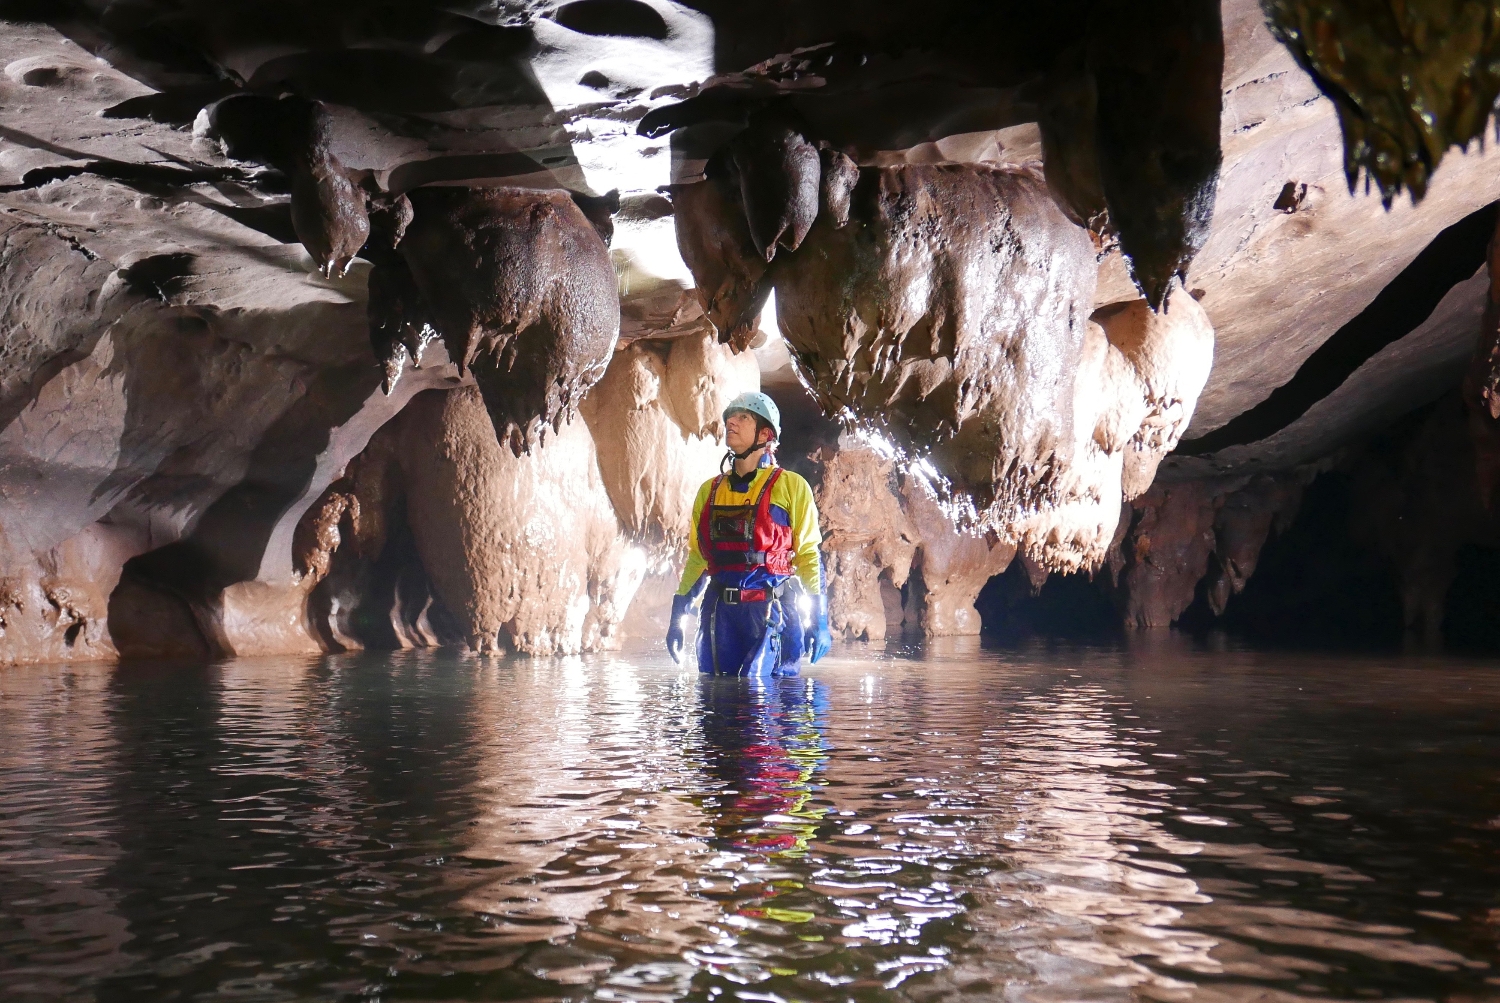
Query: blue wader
{"type": "Point", "coordinates": [748, 638]}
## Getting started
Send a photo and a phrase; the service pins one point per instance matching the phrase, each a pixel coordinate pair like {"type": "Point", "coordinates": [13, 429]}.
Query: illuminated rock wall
{"type": "Point", "coordinates": [946, 311]}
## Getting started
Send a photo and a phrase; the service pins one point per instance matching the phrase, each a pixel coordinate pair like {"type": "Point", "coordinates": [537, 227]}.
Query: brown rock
{"type": "Point", "coordinates": [520, 287]}
{"type": "Point", "coordinates": [936, 319]}
{"type": "Point", "coordinates": [528, 545]}
{"type": "Point", "coordinates": [1158, 69]}
{"type": "Point", "coordinates": [954, 564]}
{"type": "Point", "coordinates": [714, 240]}
{"type": "Point", "coordinates": [866, 536]}
{"type": "Point", "coordinates": [779, 175]}
{"type": "Point", "coordinates": [1169, 355]}
{"type": "Point", "coordinates": [329, 215]}
{"type": "Point", "coordinates": [1167, 551]}
{"type": "Point", "coordinates": [656, 417]}
{"type": "Point", "coordinates": [1244, 523]}
{"type": "Point", "coordinates": [880, 529]}
{"type": "Point", "coordinates": [185, 388]}
{"type": "Point", "coordinates": [1184, 533]}
{"type": "Point", "coordinates": [1417, 503]}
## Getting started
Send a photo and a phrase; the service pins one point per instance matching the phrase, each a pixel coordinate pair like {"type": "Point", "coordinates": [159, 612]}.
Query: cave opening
{"type": "Point", "coordinates": [1077, 608]}
{"type": "Point", "coordinates": [1316, 586]}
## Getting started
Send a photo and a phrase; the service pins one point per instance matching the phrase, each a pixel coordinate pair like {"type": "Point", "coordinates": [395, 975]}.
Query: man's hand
{"type": "Point", "coordinates": [817, 639]}
{"type": "Point", "coordinates": [675, 638]}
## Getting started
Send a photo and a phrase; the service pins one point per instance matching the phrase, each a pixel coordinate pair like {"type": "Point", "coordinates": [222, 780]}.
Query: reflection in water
{"type": "Point", "coordinates": [761, 742]}
{"type": "Point", "coordinates": [1079, 825]}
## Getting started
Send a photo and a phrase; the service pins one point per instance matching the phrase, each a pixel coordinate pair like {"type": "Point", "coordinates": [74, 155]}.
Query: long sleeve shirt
{"type": "Point", "coordinates": [792, 495]}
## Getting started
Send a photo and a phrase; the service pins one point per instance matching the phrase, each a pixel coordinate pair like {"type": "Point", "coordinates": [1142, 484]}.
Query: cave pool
{"type": "Point", "coordinates": [1150, 821]}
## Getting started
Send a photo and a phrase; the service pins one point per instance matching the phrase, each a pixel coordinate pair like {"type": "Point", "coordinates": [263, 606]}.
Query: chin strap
{"type": "Point", "coordinates": [731, 456]}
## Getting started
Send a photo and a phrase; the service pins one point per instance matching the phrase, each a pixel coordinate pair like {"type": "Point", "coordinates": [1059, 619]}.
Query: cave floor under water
{"type": "Point", "coordinates": [1156, 822]}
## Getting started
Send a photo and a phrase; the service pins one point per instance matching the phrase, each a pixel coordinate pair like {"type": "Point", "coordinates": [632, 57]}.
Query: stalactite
{"type": "Point", "coordinates": [519, 285]}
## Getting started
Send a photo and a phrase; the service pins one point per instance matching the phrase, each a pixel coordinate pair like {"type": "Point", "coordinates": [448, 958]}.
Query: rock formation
{"type": "Point", "coordinates": [329, 213]}
{"type": "Point", "coordinates": [949, 314]}
{"type": "Point", "coordinates": [1181, 537]}
{"type": "Point", "coordinates": [885, 532]}
{"type": "Point", "coordinates": [1408, 82]}
{"type": "Point", "coordinates": [487, 530]}
{"type": "Point", "coordinates": [1128, 98]}
{"type": "Point", "coordinates": [1246, 519]}
{"type": "Point", "coordinates": [435, 534]}
{"type": "Point", "coordinates": [866, 535]}
{"type": "Point", "coordinates": [656, 419]}
{"type": "Point", "coordinates": [729, 276]}
{"type": "Point", "coordinates": [519, 286]}
{"type": "Point", "coordinates": [181, 389]}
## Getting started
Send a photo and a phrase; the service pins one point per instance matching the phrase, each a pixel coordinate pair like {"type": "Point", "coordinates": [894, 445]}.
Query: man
{"type": "Point", "coordinates": [754, 528]}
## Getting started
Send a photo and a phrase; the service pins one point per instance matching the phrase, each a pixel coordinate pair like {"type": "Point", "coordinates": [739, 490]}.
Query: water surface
{"type": "Point", "coordinates": [1154, 823]}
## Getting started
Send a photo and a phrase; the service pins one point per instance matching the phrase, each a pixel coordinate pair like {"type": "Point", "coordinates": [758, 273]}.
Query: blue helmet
{"type": "Point", "coordinates": [759, 405]}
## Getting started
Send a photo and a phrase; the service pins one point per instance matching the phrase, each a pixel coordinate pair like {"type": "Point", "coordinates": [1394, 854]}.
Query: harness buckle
{"type": "Point", "coordinates": [730, 596]}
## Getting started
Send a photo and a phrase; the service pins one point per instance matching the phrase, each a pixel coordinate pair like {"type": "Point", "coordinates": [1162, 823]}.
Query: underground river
{"type": "Point", "coordinates": [1155, 822]}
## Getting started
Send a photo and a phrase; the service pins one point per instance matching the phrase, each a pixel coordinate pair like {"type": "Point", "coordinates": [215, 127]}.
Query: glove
{"type": "Point", "coordinates": [816, 640]}
{"type": "Point", "coordinates": [675, 639]}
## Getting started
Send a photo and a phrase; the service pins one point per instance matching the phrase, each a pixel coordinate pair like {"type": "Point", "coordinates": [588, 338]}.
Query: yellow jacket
{"type": "Point", "coordinates": [792, 494]}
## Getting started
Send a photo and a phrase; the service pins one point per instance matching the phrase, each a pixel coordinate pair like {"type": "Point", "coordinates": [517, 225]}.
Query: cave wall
{"type": "Point", "coordinates": [169, 379]}
{"type": "Point", "coordinates": [170, 413]}
{"type": "Point", "coordinates": [454, 539]}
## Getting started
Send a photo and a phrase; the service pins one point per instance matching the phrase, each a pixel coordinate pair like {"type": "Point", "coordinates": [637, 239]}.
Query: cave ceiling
{"type": "Point", "coordinates": [1227, 168]}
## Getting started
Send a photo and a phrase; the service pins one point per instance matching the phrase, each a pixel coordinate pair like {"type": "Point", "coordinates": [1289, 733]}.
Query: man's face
{"type": "Point", "coordinates": [739, 431]}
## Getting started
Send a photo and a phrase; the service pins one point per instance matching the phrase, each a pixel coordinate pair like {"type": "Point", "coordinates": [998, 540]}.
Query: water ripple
{"type": "Point", "coordinates": [1164, 825]}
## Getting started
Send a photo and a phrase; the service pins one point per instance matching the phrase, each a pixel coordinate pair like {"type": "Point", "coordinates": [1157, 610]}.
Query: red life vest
{"type": "Point", "coordinates": [744, 537]}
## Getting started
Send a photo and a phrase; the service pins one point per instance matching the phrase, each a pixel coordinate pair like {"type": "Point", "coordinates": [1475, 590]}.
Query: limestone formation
{"type": "Point", "coordinates": [779, 176]}
{"type": "Point", "coordinates": [949, 316]}
{"type": "Point", "coordinates": [528, 545]}
{"type": "Point", "coordinates": [1166, 358]}
{"type": "Point", "coordinates": [656, 418]}
{"type": "Point", "coordinates": [1158, 69]}
{"type": "Point", "coordinates": [1409, 80]}
{"type": "Point", "coordinates": [175, 389]}
{"type": "Point", "coordinates": [318, 534]}
{"type": "Point", "coordinates": [1167, 551]}
{"type": "Point", "coordinates": [330, 214]}
{"type": "Point", "coordinates": [957, 214]}
{"type": "Point", "coordinates": [946, 316]}
{"type": "Point", "coordinates": [1246, 519]}
{"type": "Point", "coordinates": [435, 534]}
{"type": "Point", "coordinates": [1128, 100]}
{"type": "Point", "coordinates": [952, 565]}
{"type": "Point", "coordinates": [714, 239]}
{"type": "Point", "coordinates": [885, 531]}
{"type": "Point", "coordinates": [866, 535]}
{"type": "Point", "coordinates": [519, 286]}
{"type": "Point", "coordinates": [1190, 534]}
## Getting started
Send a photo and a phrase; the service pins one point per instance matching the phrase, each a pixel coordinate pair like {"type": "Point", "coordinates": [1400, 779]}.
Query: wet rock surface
{"type": "Point", "coordinates": [164, 395]}
{"type": "Point", "coordinates": [1409, 82]}
{"type": "Point", "coordinates": [656, 419]}
{"type": "Point", "coordinates": [518, 285]}
{"type": "Point", "coordinates": [949, 315]}
{"type": "Point", "coordinates": [486, 527]}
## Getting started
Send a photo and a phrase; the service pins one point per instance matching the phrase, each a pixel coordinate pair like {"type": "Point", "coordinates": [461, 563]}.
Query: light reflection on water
{"type": "Point", "coordinates": [1154, 823]}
